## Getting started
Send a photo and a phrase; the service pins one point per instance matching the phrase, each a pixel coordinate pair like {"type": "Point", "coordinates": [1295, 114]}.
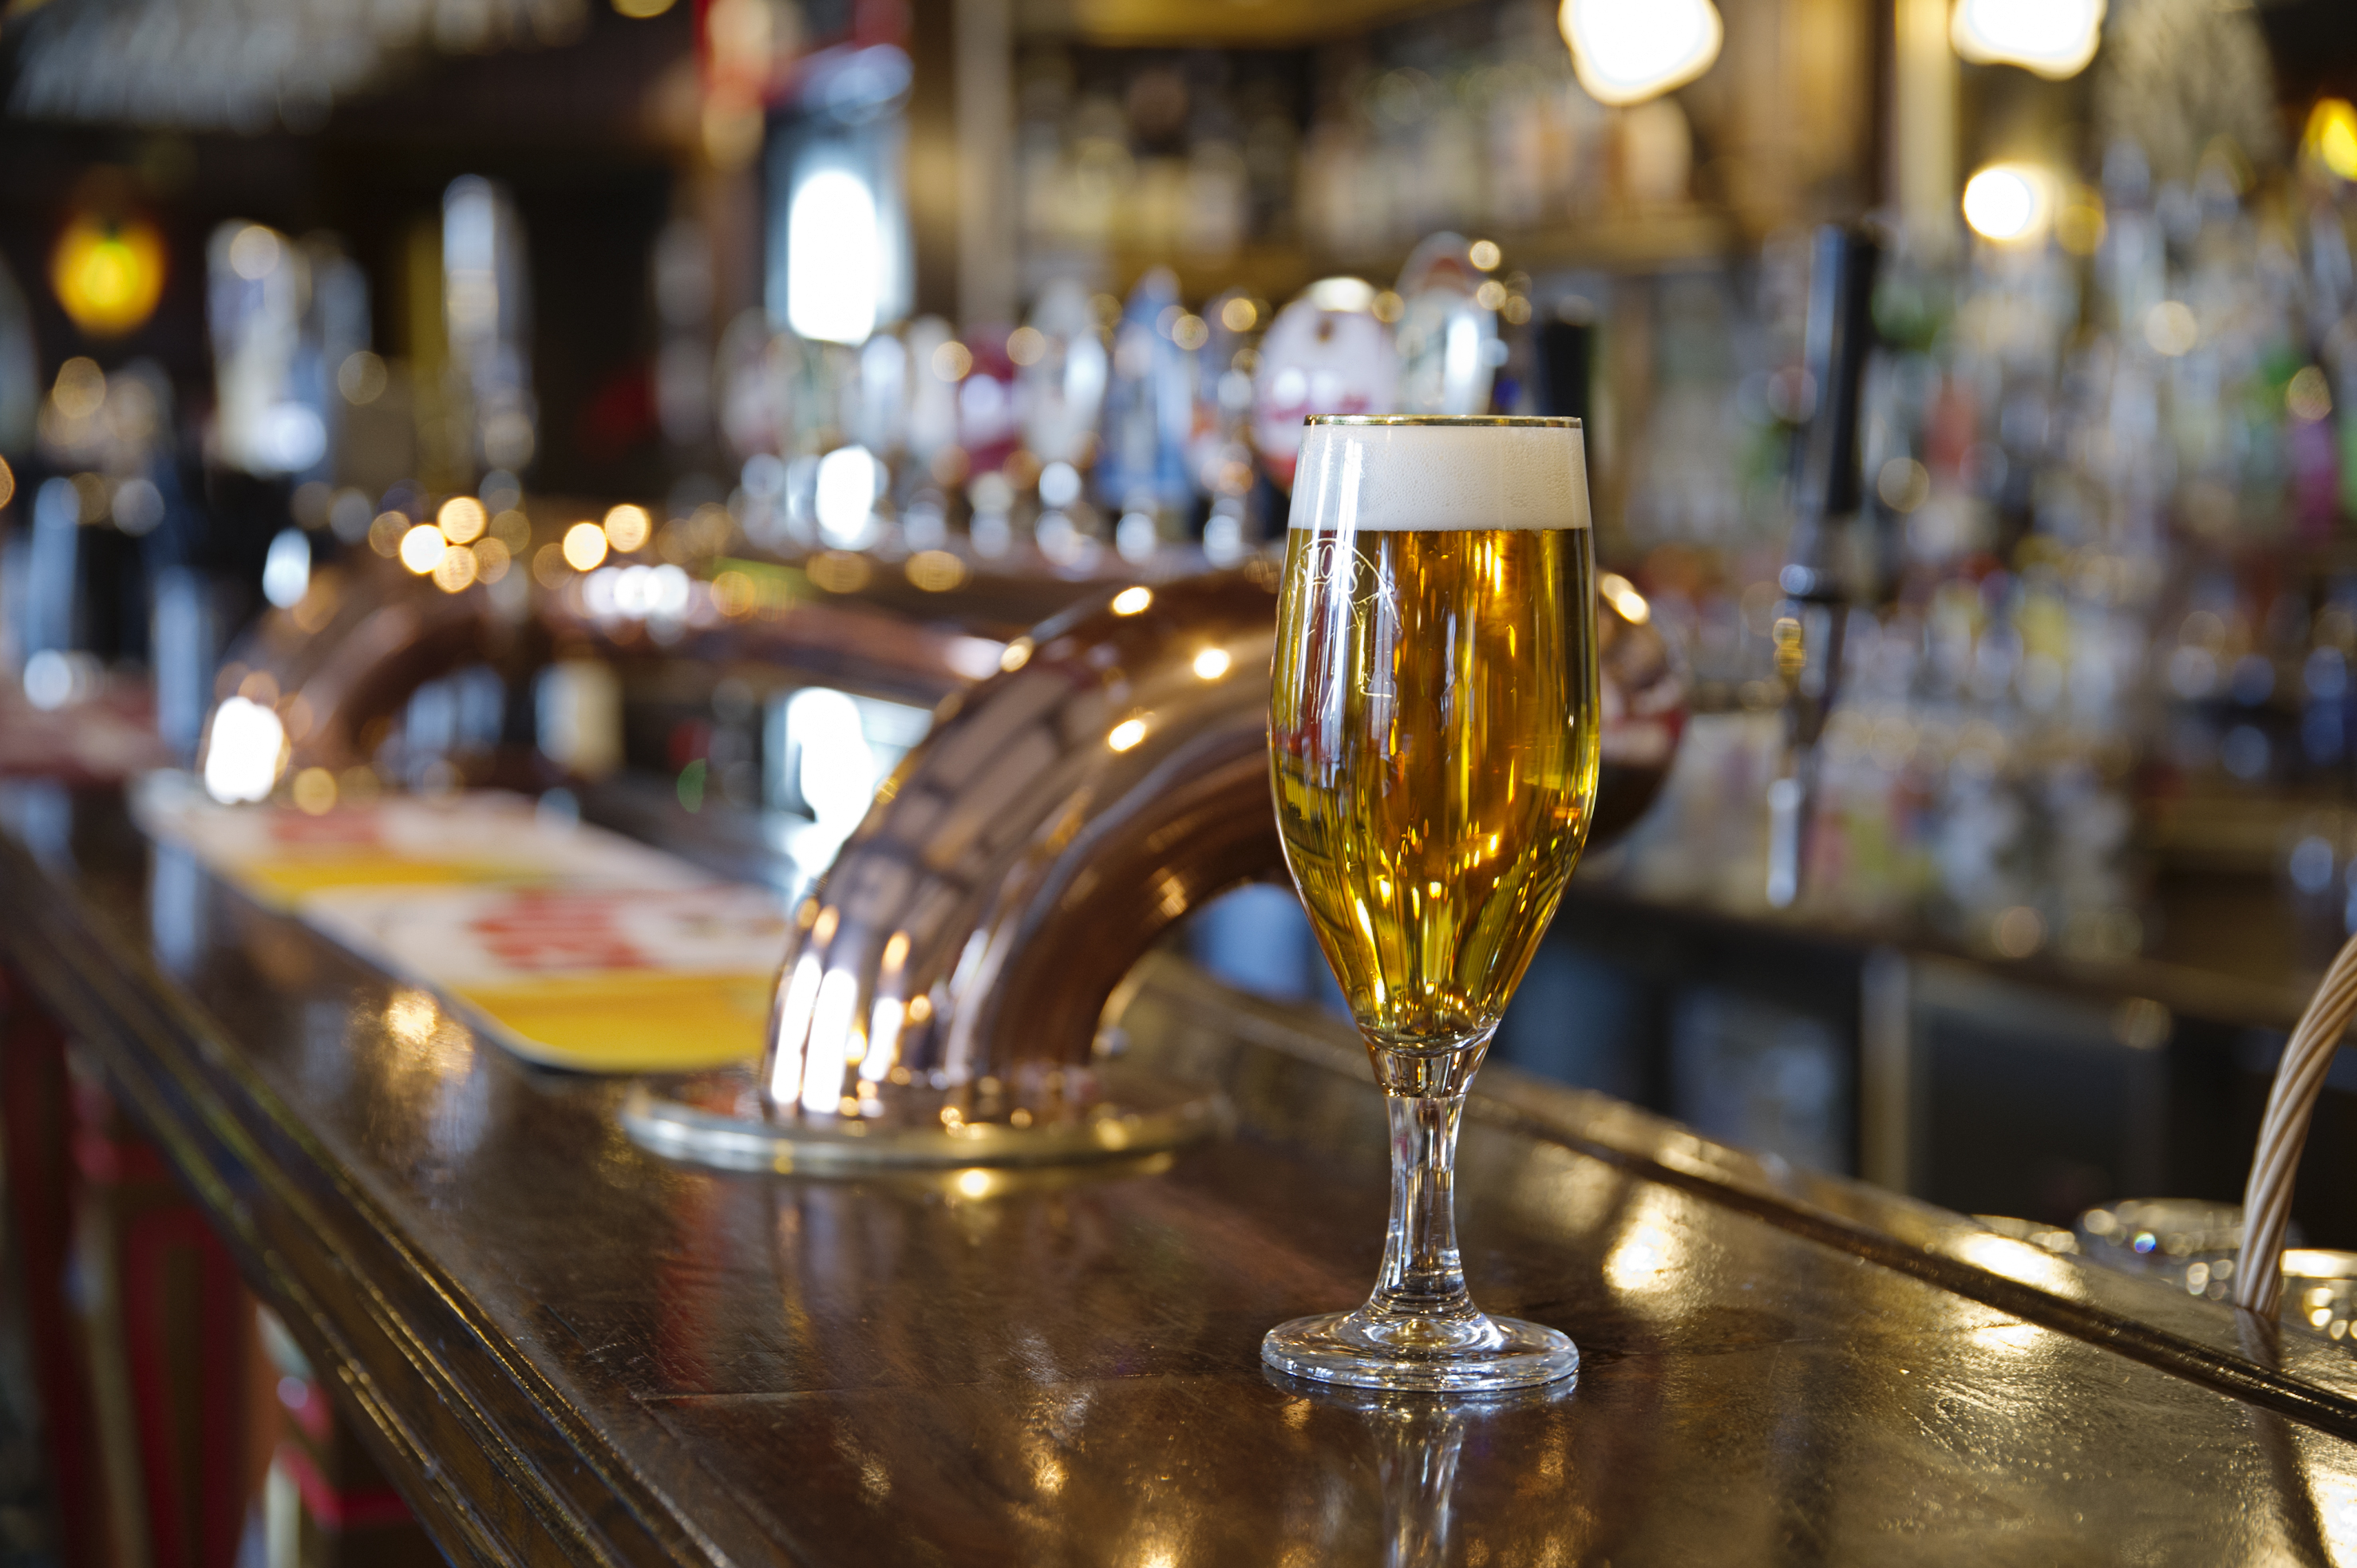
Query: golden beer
{"type": "Point", "coordinates": [1433, 741]}
{"type": "Point", "coordinates": [1433, 748]}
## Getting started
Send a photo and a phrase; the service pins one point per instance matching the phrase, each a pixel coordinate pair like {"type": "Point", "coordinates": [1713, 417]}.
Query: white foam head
{"type": "Point", "coordinates": [1397, 477]}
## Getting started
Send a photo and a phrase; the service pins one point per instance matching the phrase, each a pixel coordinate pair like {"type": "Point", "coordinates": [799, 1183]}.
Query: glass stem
{"type": "Point", "coordinates": [1422, 1277]}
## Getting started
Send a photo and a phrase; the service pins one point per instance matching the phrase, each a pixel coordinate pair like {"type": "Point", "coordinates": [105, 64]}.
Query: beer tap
{"type": "Point", "coordinates": [1818, 579]}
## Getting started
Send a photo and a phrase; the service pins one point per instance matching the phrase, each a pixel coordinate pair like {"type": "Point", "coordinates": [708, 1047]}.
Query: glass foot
{"type": "Point", "coordinates": [1471, 1354]}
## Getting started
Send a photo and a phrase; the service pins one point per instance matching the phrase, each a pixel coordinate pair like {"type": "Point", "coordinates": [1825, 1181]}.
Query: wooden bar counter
{"type": "Point", "coordinates": [562, 1349]}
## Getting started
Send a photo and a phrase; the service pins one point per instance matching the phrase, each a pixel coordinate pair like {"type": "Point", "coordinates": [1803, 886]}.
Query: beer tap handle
{"type": "Point", "coordinates": [1814, 613]}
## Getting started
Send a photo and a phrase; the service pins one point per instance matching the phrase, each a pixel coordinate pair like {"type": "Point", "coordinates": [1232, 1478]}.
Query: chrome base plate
{"type": "Point", "coordinates": [713, 1119]}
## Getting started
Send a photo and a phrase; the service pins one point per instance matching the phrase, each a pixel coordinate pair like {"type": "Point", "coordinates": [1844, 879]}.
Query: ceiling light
{"type": "Point", "coordinates": [2056, 39]}
{"type": "Point", "coordinates": [1629, 50]}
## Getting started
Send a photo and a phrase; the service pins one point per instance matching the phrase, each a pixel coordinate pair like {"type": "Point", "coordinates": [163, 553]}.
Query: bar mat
{"type": "Point", "coordinates": [571, 946]}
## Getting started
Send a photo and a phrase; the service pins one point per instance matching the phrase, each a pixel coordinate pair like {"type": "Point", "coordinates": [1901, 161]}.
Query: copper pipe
{"type": "Point", "coordinates": [366, 638]}
{"type": "Point", "coordinates": [952, 965]}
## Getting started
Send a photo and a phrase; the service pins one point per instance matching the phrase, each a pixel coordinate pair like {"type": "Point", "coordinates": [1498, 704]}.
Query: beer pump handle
{"type": "Point", "coordinates": [1562, 350]}
{"type": "Point", "coordinates": [1812, 616]}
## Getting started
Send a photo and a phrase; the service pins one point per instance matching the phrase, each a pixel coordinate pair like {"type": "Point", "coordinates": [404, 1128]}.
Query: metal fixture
{"type": "Point", "coordinates": [942, 1001]}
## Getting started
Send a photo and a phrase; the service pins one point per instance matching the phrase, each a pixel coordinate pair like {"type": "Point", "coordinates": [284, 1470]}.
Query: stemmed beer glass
{"type": "Point", "coordinates": [1433, 749]}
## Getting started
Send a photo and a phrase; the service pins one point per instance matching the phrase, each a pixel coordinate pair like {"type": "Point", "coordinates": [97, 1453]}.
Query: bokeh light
{"type": "Point", "coordinates": [584, 546]}
{"type": "Point", "coordinates": [245, 752]}
{"type": "Point", "coordinates": [2055, 38]}
{"type": "Point", "coordinates": [627, 527]}
{"type": "Point", "coordinates": [1626, 52]}
{"type": "Point", "coordinates": [422, 548]}
{"type": "Point", "coordinates": [2331, 136]}
{"type": "Point", "coordinates": [2008, 202]}
{"type": "Point", "coordinates": [108, 276]}
{"type": "Point", "coordinates": [461, 520]}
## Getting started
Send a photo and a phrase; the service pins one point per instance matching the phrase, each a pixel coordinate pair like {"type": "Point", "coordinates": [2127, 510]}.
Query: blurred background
{"type": "Point", "coordinates": [633, 328]}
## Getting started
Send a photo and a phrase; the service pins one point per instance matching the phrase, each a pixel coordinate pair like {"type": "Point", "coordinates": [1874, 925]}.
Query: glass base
{"type": "Point", "coordinates": [1472, 1354]}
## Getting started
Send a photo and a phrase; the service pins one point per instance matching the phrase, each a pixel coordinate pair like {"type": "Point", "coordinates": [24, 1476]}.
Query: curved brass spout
{"type": "Point", "coordinates": [940, 997]}
{"type": "Point", "coordinates": [1008, 877]}
{"type": "Point", "coordinates": [355, 648]}
{"type": "Point", "coordinates": [944, 996]}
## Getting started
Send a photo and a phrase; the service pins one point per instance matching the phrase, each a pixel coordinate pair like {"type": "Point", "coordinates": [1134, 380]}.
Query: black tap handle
{"type": "Point", "coordinates": [1562, 351]}
{"type": "Point", "coordinates": [1840, 337]}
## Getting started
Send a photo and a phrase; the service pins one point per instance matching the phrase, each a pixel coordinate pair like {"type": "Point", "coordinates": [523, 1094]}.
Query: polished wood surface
{"type": "Point", "coordinates": [564, 1351]}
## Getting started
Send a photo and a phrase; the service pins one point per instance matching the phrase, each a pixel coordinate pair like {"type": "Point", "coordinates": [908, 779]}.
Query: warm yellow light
{"type": "Point", "coordinates": [492, 559]}
{"type": "Point", "coordinates": [1484, 254]}
{"type": "Point", "coordinates": [315, 791]}
{"type": "Point", "coordinates": [1623, 596]}
{"type": "Point", "coordinates": [1017, 654]}
{"type": "Point", "coordinates": [1026, 345]}
{"type": "Point", "coordinates": [81, 389]}
{"type": "Point", "coordinates": [1212, 663]}
{"type": "Point", "coordinates": [2009, 202]}
{"type": "Point", "coordinates": [7, 481]}
{"type": "Point", "coordinates": [1626, 52]}
{"type": "Point", "coordinates": [1132, 601]}
{"type": "Point", "coordinates": [108, 276]}
{"type": "Point", "coordinates": [584, 545]}
{"type": "Point", "coordinates": [2079, 226]}
{"type": "Point", "coordinates": [461, 520]}
{"type": "Point", "coordinates": [935, 571]}
{"type": "Point", "coordinates": [640, 10]}
{"type": "Point", "coordinates": [2331, 136]}
{"type": "Point", "coordinates": [1126, 733]}
{"type": "Point", "coordinates": [952, 360]}
{"type": "Point", "coordinates": [733, 595]}
{"type": "Point", "coordinates": [454, 573]}
{"type": "Point", "coordinates": [2172, 328]}
{"type": "Point", "coordinates": [2056, 39]}
{"type": "Point", "coordinates": [1239, 314]}
{"type": "Point", "coordinates": [422, 548]}
{"type": "Point", "coordinates": [627, 527]}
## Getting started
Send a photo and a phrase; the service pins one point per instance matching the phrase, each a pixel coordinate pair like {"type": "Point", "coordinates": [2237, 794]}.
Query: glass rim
{"type": "Point", "coordinates": [1522, 421]}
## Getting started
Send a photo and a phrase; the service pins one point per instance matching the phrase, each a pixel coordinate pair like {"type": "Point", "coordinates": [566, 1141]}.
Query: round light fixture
{"type": "Point", "coordinates": [108, 274]}
{"type": "Point", "coordinates": [2055, 38]}
{"type": "Point", "coordinates": [1626, 52]}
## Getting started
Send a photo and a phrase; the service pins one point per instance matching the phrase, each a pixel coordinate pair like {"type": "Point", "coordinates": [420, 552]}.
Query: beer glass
{"type": "Point", "coordinates": [1433, 748]}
